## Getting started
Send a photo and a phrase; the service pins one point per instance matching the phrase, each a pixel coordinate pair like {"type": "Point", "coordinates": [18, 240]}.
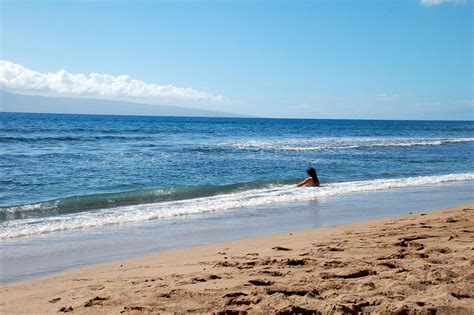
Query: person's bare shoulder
{"type": "Point", "coordinates": [306, 182]}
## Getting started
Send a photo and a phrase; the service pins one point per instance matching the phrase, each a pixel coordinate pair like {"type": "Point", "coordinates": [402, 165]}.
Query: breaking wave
{"type": "Point", "coordinates": [185, 202]}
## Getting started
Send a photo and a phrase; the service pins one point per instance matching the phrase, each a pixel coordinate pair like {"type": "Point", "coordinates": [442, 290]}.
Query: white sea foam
{"type": "Point", "coordinates": [248, 198]}
{"type": "Point", "coordinates": [335, 143]}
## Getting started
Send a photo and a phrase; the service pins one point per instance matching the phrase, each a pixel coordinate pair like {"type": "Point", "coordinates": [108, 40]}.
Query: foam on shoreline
{"type": "Point", "coordinates": [235, 199]}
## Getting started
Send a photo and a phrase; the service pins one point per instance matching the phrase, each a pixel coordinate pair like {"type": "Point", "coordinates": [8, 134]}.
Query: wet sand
{"type": "Point", "coordinates": [422, 263]}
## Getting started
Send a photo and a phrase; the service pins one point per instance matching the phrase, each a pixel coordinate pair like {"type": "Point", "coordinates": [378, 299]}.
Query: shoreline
{"type": "Point", "coordinates": [416, 262]}
{"type": "Point", "coordinates": [48, 254]}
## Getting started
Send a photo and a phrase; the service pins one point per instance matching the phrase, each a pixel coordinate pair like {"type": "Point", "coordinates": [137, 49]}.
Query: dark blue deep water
{"type": "Point", "coordinates": [61, 172]}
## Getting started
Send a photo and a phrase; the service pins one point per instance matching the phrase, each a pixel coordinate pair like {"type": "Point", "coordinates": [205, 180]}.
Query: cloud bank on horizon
{"type": "Point", "coordinates": [429, 3]}
{"type": "Point", "coordinates": [17, 78]}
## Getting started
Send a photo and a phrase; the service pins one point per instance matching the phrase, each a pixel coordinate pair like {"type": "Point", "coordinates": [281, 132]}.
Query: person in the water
{"type": "Point", "coordinates": [312, 180]}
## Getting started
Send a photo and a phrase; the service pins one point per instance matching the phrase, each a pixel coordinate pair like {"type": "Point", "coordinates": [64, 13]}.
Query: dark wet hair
{"type": "Point", "coordinates": [312, 172]}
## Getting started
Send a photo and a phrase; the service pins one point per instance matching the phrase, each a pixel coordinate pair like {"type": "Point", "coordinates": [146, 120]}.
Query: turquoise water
{"type": "Point", "coordinates": [69, 172]}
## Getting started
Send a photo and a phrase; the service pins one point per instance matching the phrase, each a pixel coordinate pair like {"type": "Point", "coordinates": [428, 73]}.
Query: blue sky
{"type": "Point", "coordinates": [313, 59]}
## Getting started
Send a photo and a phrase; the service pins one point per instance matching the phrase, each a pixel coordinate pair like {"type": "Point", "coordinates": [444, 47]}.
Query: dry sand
{"type": "Point", "coordinates": [421, 263]}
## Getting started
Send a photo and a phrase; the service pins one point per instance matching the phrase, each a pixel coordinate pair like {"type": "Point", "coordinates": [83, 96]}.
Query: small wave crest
{"type": "Point", "coordinates": [76, 204]}
{"type": "Point", "coordinates": [317, 144]}
{"type": "Point", "coordinates": [67, 138]}
{"type": "Point", "coordinates": [240, 198]}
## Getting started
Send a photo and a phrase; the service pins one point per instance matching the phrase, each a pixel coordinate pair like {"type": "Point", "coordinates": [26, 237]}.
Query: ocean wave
{"type": "Point", "coordinates": [252, 197]}
{"type": "Point", "coordinates": [317, 144]}
{"type": "Point", "coordinates": [76, 204]}
{"type": "Point", "coordinates": [33, 139]}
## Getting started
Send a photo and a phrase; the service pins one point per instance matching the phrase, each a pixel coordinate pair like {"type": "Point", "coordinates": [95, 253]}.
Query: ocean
{"type": "Point", "coordinates": [84, 175]}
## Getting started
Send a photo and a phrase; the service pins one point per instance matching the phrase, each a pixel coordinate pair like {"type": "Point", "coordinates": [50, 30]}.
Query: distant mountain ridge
{"type": "Point", "coordinates": [12, 102]}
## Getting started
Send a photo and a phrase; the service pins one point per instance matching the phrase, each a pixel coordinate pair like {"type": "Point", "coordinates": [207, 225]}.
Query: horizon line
{"type": "Point", "coordinates": [233, 117]}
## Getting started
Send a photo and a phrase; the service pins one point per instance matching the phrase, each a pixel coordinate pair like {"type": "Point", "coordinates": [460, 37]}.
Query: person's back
{"type": "Point", "coordinates": [310, 181]}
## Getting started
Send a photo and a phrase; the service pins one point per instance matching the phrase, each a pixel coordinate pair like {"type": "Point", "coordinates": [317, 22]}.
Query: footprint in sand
{"type": "Point", "coordinates": [137, 308]}
{"type": "Point", "coordinates": [334, 264]}
{"type": "Point", "coordinates": [234, 294]}
{"type": "Point", "coordinates": [243, 301]}
{"type": "Point", "coordinates": [350, 275]}
{"type": "Point", "coordinates": [281, 248]}
{"type": "Point", "coordinates": [335, 249]}
{"type": "Point", "coordinates": [204, 279]}
{"type": "Point", "coordinates": [96, 301]}
{"type": "Point", "coordinates": [290, 292]}
{"type": "Point", "coordinates": [272, 273]}
{"type": "Point", "coordinates": [295, 262]}
{"type": "Point", "coordinates": [260, 282]}
{"type": "Point", "coordinates": [226, 264]}
{"type": "Point", "coordinates": [388, 264]}
{"type": "Point", "coordinates": [459, 295]}
{"type": "Point", "coordinates": [66, 309]}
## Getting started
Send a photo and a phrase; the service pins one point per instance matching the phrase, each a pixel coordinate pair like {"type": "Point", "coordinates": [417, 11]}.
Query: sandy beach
{"type": "Point", "coordinates": [422, 263]}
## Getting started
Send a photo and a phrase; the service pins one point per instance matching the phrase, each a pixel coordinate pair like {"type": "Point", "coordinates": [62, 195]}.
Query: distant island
{"type": "Point", "coordinates": [12, 102]}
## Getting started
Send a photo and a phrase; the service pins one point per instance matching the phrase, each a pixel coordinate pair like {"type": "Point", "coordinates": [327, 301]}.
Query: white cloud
{"type": "Point", "coordinates": [386, 97]}
{"type": "Point", "coordinates": [429, 3]}
{"type": "Point", "coordinates": [17, 78]}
